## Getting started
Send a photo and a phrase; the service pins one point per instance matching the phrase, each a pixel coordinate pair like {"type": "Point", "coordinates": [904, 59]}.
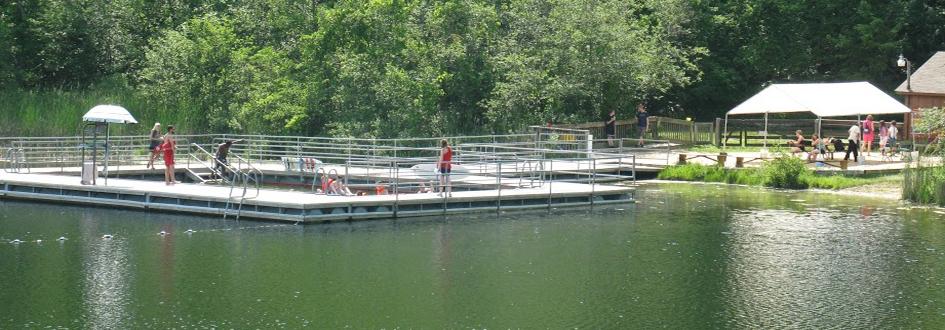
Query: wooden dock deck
{"type": "Point", "coordinates": [294, 206]}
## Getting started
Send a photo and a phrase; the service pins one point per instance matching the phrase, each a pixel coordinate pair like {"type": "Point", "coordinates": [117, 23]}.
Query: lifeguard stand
{"type": "Point", "coordinates": [97, 122]}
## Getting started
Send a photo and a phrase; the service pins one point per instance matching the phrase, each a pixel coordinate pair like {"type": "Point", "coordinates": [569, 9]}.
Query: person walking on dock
{"type": "Point", "coordinates": [168, 148]}
{"type": "Point", "coordinates": [445, 166]}
{"type": "Point", "coordinates": [853, 146]}
{"type": "Point", "coordinates": [643, 123]}
{"type": "Point", "coordinates": [153, 147]}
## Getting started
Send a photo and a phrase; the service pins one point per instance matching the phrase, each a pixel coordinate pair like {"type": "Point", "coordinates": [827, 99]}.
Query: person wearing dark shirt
{"type": "Point", "coordinates": [223, 150]}
{"type": "Point", "coordinates": [643, 124]}
{"type": "Point", "coordinates": [610, 128]}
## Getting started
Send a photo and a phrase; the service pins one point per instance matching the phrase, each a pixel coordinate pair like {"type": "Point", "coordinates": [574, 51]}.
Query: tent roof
{"type": "Point", "coordinates": [824, 100]}
{"type": "Point", "coordinates": [109, 114]}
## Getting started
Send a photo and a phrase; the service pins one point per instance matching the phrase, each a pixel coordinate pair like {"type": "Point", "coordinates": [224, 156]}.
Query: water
{"type": "Point", "coordinates": [686, 256]}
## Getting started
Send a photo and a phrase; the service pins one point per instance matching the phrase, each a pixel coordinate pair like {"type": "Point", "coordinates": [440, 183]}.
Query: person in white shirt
{"type": "Point", "coordinates": [891, 140]}
{"type": "Point", "coordinates": [853, 145]}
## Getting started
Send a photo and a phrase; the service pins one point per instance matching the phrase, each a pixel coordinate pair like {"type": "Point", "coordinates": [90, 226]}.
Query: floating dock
{"type": "Point", "coordinates": [295, 206]}
{"type": "Point", "coordinates": [549, 168]}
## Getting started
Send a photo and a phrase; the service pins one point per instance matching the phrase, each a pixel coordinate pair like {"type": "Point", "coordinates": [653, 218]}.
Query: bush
{"type": "Point", "coordinates": [785, 172]}
{"type": "Point", "coordinates": [924, 184]}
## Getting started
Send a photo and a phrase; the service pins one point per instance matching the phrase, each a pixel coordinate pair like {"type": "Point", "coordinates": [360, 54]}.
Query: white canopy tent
{"type": "Point", "coordinates": [821, 99]}
{"type": "Point", "coordinates": [98, 116]}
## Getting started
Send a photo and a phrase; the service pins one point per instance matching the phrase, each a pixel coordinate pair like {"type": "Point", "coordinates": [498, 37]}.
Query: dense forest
{"type": "Point", "coordinates": [388, 68]}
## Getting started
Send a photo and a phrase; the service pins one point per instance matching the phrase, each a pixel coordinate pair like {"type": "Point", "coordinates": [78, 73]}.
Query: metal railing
{"type": "Point", "coordinates": [15, 161]}
{"type": "Point", "coordinates": [528, 158]}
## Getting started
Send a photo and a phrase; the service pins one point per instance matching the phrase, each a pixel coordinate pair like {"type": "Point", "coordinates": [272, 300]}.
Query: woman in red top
{"type": "Point", "coordinates": [168, 148]}
{"type": "Point", "coordinates": [445, 166]}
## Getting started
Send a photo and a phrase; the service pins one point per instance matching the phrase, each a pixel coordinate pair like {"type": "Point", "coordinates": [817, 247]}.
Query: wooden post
{"type": "Point", "coordinates": [739, 162]}
{"type": "Point", "coordinates": [843, 164]}
{"type": "Point", "coordinates": [682, 159]}
{"type": "Point", "coordinates": [721, 159]}
{"type": "Point", "coordinates": [743, 138]}
{"type": "Point", "coordinates": [718, 132]}
{"type": "Point", "coordinates": [692, 132]}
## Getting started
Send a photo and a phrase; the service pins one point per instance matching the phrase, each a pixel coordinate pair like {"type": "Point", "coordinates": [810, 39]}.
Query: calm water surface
{"type": "Point", "coordinates": [685, 256]}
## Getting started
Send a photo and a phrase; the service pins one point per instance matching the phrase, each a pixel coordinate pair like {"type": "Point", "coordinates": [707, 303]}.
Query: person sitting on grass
{"type": "Point", "coordinates": [797, 146]}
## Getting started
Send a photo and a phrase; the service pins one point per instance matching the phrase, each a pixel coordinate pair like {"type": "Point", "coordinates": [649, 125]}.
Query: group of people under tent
{"type": "Point", "coordinates": [861, 131]}
{"type": "Point", "coordinates": [165, 145]}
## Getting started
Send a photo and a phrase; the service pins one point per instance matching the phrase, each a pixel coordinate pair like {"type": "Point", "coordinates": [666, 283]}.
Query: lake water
{"type": "Point", "coordinates": [685, 256]}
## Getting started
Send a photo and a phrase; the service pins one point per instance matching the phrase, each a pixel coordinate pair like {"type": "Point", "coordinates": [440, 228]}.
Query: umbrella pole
{"type": "Point", "coordinates": [94, 154]}
{"type": "Point", "coordinates": [107, 137]}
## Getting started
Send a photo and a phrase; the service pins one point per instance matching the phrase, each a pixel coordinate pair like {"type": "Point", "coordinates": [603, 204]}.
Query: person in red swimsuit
{"type": "Point", "coordinates": [445, 166]}
{"type": "Point", "coordinates": [168, 148]}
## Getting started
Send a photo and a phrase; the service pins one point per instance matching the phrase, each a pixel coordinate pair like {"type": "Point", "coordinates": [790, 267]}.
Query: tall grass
{"type": "Point", "coordinates": [924, 183]}
{"type": "Point", "coordinates": [58, 112]}
{"type": "Point", "coordinates": [783, 172]}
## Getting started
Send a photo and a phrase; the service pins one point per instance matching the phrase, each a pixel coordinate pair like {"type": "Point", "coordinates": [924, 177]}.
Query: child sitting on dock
{"type": "Point", "coordinates": [335, 187]}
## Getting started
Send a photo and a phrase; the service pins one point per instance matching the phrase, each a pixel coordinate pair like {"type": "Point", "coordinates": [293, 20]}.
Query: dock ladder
{"type": "Point", "coordinates": [16, 161]}
{"type": "Point", "coordinates": [239, 180]}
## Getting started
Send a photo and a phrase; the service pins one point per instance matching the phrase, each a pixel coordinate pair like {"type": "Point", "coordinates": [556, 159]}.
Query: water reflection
{"type": "Point", "coordinates": [808, 268]}
{"type": "Point", "coordinates": [106, 277]}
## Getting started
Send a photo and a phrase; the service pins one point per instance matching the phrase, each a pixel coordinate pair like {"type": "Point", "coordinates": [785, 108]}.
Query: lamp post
{"type": "Point", "coordinates": [904, 63]}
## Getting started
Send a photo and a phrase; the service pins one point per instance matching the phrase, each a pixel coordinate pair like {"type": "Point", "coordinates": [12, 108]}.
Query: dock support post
{"type": "Point", "coordinates": [739, 162]}
{"type": "Point", "coordinates": [550, 191]}
{"type": "Point", "coordinates": [682, 159]}
{"type": "Point", "coordinates": [593, 178]}
{"type": "Point", "coordinates": [396, 184]}
{"type": "Point", "coordinates": [498, 187]}
{"type": "Point", "coordinates": [721, 159]}
{"type": "Point", "coordinates": [843, 164]}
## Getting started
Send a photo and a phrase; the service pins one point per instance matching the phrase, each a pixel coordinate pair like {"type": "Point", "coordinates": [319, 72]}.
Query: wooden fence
{"type": "Point", "coordinates": [661, 128]}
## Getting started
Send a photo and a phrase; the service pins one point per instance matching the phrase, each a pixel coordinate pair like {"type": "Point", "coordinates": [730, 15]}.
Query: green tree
{"type": "Point", "coordinates": [268, 99]}
{"type": "Point", "coordinates": [192, 68]}
{"type": "Point", "coordinates": [575, 60]}
{"type": "Point", "coordinates": [7, 77]}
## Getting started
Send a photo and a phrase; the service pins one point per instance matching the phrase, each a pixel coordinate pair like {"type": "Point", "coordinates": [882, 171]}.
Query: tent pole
{"type": "Point", "coordinates": [766, 130]}
{"type": "Point", "coordinates": [819, 126]}
{"type": "Point", "coordinates": [725, 134]}
{"type": "Point", "coordinates": [859, 138]}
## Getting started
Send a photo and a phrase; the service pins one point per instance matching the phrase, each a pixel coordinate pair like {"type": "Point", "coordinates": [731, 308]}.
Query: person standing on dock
{"type": "Point", "coordinates": [643, 123]}
{"type": "Point", "coordinates": [853, 146]}
{"type": "Point", "coordinates": [155, 139]}
{"type": "Point", "coordinates": [223, 150]}
{"type": "Point", "coordinates": [891, 140]}
{"type": "Point", "coordinates": [168, 148]}
{"type": "Point", "coordinates": [868, 134]}
{"type": "Point", "coordinates": [445, 166]}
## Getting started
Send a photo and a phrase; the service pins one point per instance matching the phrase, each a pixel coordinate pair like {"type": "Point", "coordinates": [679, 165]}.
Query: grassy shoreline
{"type": "Point", "coordinates": [58, 112]}
{"type": "Point", "coordinates": [775, 174]}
